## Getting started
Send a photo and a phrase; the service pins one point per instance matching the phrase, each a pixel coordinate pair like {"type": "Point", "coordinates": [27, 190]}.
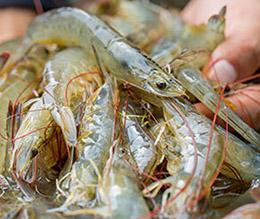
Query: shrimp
{"type": "Point", "coordinates": [198, 167]}
{"type": "Point", "coordinates": [17, 87]}
{"type": "Point", "coordinates": [238, 154]}
{"type": "Point", "coordinates": [96, 133]}
{"type": "Point", "coordinates": [73, 27]}
{"type": "Point", "coordinates": [203, 38]}
{"type": "Point", "coordinates": [185, 68]}
{"type": "Point", "coordinates": [120, 191]}
{"type": "Point", "coordinates": [168, 146]}
{"type": "Point", "coordinates": [141, 145]}
{"type": "Point", "coordinates": [27, 147]}
{"type": "Point", "coordinates": [119, 195]}
{"type": "Point", "coordinates": [37, 126]}
{"type": "Point", "coordinates": [140, 22]}
{"type": "Point", "coordinates": [227, 195]}
{"type": "Point", "coordinates": [242, 157]}
{"type": "Point", "coordinates": [61, 100]}
{"type": "Point", "coordinates": [200, 88]}
{"type": "Point", "coordinates": [145, 24]}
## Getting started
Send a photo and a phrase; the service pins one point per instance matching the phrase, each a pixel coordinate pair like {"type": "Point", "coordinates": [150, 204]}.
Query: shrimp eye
{"type": "Point", "coordinates": [34, 152]}
{"type": "Point", "coordinates": [161, 85]}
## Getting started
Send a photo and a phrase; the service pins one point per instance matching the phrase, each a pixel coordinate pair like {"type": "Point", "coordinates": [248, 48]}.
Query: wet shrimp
{"type": "Point", "coordinates": [95, 140]}
{"type": "Point", "coordinates": [58, 102]}
{"type": "Point", "coordinates": [119, 194]}
{"type": "Point", "coordinates": [140, 144]}
{"type": "Point", "coordinates": [16, 88]}
{"type": "Point", "coordinates": [197, 167]}
{"type": "Point", "coordinates": [60, 98]}
{"type": "Point", "coordinates": [185, 66]}
{"type": "Point", "coordinates": [73, 27]}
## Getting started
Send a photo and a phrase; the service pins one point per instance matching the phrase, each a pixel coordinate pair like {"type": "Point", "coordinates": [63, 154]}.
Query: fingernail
{"type": "Point", "coordinates": [223, 72]}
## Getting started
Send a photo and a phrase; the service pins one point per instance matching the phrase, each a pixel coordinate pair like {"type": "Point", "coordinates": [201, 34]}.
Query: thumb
{"type": "Point", "coordinates": [234, 59]}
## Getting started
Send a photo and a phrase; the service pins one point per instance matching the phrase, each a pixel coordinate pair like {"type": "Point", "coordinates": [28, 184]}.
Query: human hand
{"type": "Point", "coordinates": [239, 55]}
{"type": "Point", "coordinates": [13, 22]}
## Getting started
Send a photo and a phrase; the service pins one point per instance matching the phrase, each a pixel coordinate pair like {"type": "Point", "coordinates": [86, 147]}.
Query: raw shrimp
{"type": "Point", "coordinates": [198, 166]}
{"type": "Point", "coordinates": [140, 22]}
{"type": "Point", "coordinates": [95, 140]}
{"type": "Point", "coordinates": [204, 38]}
{"type": "Point", "coordinates": [193, 80]}
{"type": "Point", "coordinates": [31, 135]}
{"type": "Point", "coordinates": [17, 87]}
{"type": "Point", "coordinates": [168, 146]}
{"type": "Point", "coordinates": [119, 195]}
{"type": "Point", "coordinates": [141, 146]}
{"type": "Point", "coordinates": [241, 156]}
{"type": "Point", "coordinates": [58, 99]}
{"type": "Point", "coordinates": [73, 27]}
{"type": "Point", "coordinates": [120, 189]}
{"type": "Point", "coordinates": [185, 68]}
{"type": "Point", "coordinates": [145, 24]}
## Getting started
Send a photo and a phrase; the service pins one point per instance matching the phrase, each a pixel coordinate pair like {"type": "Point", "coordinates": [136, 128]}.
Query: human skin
{"type": "Point", "coordinates": [13, 22]}
{"type": "Point", "coordinates": [238, 56]}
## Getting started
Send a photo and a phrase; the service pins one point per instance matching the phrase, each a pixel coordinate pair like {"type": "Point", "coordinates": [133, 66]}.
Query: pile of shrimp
{"type": "Point", "coordinates": [97, 119]}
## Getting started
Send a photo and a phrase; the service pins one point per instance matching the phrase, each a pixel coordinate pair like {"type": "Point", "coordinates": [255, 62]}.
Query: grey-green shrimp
{"type": "Point", "coordinates": [185, 67]}
{"type": "Point", "coordinates": [73, 27]}
{"type": "Point", "coordinates": [139, 143]}
{"type": "Point", "coordinates": [204, 37]}
{"type": "Point", "coordinates": [61, 99]}
{"type": "Point", "coordinates": [193, 80]}
{"type": "Point", "coordinates": [17, 87]}
{"type": "Point", "coordinates": [198, 165]}
{"type": "Point", "coordinates": [241, 156]}
{"type": "Point", "coordinates": [140, 22]}
{"type": "Point", "coordinates": [95, 140]}
{"type": "Point", "coordinates": [119, 194]}
{"type": "Point", "coordinates": [59, 102]}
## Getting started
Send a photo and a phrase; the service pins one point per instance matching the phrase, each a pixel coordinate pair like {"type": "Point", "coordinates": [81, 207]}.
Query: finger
{"type": "Point", "coordinates": [246, 104]}
{"type": "Point", "coordinates": [235, 58]}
